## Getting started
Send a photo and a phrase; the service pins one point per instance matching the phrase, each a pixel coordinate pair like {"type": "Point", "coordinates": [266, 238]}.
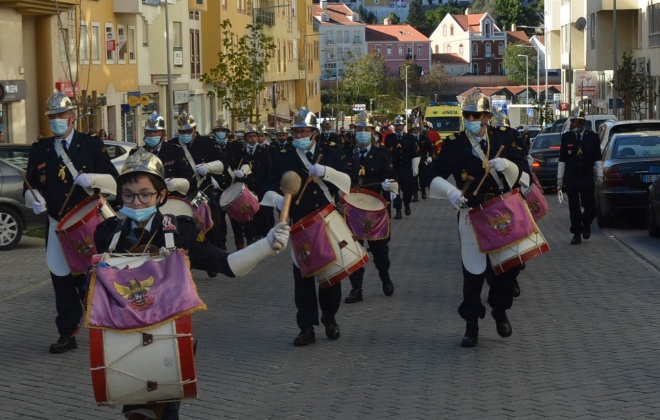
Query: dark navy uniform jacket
{"type": "Point", "coordinates": [47, 173]}
{"type": "Point", "coordinates": [402, 150]}
{"type": "Point", "coordinates": [175, 163]}
{"type": "Point", "coordinates": [203, 150]}
{"type": "Point", "coordinates": [374, 168]}
{"type": "Point", "coordinates": [261, 165]}
{"type": "Point", "coordinates": [579, 154]}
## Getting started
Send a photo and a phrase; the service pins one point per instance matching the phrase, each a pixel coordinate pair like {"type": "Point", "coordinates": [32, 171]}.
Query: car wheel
{"type": "Point", "coordinates": [11, 228]}
{"type": "Point", "coordinates": [651, 223]}
{"type": "Point", "coordinates": [603, 220]}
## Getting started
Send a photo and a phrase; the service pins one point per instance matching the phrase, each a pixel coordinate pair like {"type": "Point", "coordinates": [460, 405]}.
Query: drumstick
{"type": "Point", "coordinates": [309, 179]}
{"type": "Point", "coordinates": [499, 152]}
{"type": "Point", "coordinates": [240, 162]}
{"type": "Point", "coordinates": [467, 184]}
{"type": "Point", "coordinates": [66, 200]}
{"type": "Point", "coordinates": [290, 185]}
{"type": "Point", "coordinates": [28, 185]}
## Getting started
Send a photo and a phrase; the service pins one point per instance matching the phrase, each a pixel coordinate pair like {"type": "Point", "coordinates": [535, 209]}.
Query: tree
{"type": "Point", "coordinates": [436, 78]}
{"type": "Point", "coordinates": [635, 87]}
{"type": "Point", "coordinates": [416, 17]}
{"type": "Point", "coordinates": [516, 67]}
{"type": "Point", "coordinates": [395, 18]}
{"type": "Point", "coordinates": [435, 16]}
{"type": "Point", "coordinates": [238, 77]}
{"type": "Point", "coordinates": [482, 6]}
{"type": "Point", "coordinates": [507, 13]}
{"type": "Point", "coordinates": [366, 16]}
{"type": "Point", "coordinates": [364, 77]}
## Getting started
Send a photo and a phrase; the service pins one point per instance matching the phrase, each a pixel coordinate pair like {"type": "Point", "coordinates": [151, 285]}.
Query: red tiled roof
{"type": "Point", "coordinates": [514, 90]}
{"type": "Point", "coordinates": [517, 36]}
{"type": "Point", "coordinates": [402, 33]}
{"type": "Point", "coordinates": [471, 22]}
{"type": "Point", "coordinates": [338, 14]}
{"type": "Point", "coordinates": [448, 58]}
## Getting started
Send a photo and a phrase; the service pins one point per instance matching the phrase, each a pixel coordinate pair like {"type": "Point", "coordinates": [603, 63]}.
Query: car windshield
{"type": "Point", "coordinates": [636, 147]}
{"type": "Point", "coordinates": [17, 157]}
{"type": "Point", "coordinates": [544, 141]}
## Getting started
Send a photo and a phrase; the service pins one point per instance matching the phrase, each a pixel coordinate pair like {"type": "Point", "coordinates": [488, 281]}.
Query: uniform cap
{"type": "Point", "coordinates": [577, 113]}
{"type": "Point", "coordinates": [143, 161]}
{"type": "Point", "coordinates": [58, 103]}
{"type": "Point", "coordinates": [304, 118]}
{"type": "Point", "coordinates": [282, 128]}
{"type": "Point", "coordinates": [364, 120]}
{"type": "Point", "coordinates": [398, 120]}
{"type": "Point", "coordinates": [476, 102]}
{"type": "Point", "coordinates": [261, 128]}
{"type": "Point", "coordinates": [251, 128]}
{"type": "Point", "coordinates": [221, 123]}
{"type": "Point", "coordinates": [186, 121]}
{"type": "Point", "coordinates": [155, 122]}
{"type": "Point", "coordinates": [499, 119]}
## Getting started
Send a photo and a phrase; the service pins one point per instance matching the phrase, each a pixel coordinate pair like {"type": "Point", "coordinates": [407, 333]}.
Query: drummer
{"type": "Point", "coordinates": [69, 162]}
{"type": "Point", "coordinates": [372, 169]}
{"type": "Point", "coordinates": [465, 154]}
{"type": "Point", "coordinates": [142, 190]}
{"type": "Point", "coordinates": [330, 173]}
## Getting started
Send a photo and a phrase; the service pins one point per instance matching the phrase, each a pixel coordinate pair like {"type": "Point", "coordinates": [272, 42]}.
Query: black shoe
{"type": "Point", "coordinates": [305, 337]}
{"type": "Point", "coordinates": [576, 239]}
{"type": "Point", "coordinates": [586, 232]}
{"type": "Point", "coordinates": [331, 327]}
{"type": "Point", "coordinates": [471, 337]}
{"type": "Point", "coordinates": [502, 323]}
{"type": "Point", "coordinates": [212, 274]}
{"type": "Point", "coordinates": [354, 296]}
{"type": "Point", "coordinates": [424, 195]}
{"type": "Point", "coordinates": [406, 209]}
{"type": "Point", "coordinates": [415, 199]}
{"type": "Point", "coordinates": [516, 288]}
{"type": "Point", "coordinates": [388, 287]}
{"type": "Point", "coordinates": [398, 215]}
{"type": "Point", "coordinates": [64, 344]}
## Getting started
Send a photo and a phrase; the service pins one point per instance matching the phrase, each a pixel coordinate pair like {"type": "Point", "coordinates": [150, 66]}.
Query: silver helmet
{"type": "Point", "coordinates": [58, 103]}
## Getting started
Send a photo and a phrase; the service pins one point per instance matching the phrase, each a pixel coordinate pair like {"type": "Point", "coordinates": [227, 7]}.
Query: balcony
{"type": "Point", "coordinates": [39, 7]}
{"type": "Point", "coordinates": [599, 5]}
{"type": "Point", "coordinates": [489, 56]}
{"type": "Point", "coordinates": [264, 17]}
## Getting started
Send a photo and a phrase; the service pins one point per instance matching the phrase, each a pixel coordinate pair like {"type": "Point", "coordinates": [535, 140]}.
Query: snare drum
{"type": "Point", "coordinates": [203, 214]}
{"type": "Point", "coordinates": [516, 254]}
{"type": "Point", "coordinates": [239, 202]}
{"type": "Point", "coordinates": [177, 206]}
{"type": "Point", "coordinates": [366, 215]}
{"type": "Point", "coordinates": [323, 246]}
{"type": "Point", "coordinates": [76, 231]}
{"type": "Point", "coordinates": [536, 202]}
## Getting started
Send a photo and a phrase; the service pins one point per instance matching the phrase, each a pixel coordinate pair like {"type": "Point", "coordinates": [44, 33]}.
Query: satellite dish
{"type": "Point", "coordinates": [580, 24]}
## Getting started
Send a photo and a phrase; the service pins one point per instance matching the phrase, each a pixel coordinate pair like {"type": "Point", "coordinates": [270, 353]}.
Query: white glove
{"type": "Point", "coordinates": [279, 233]}
{"type": "Point", "coordinates": [238, 173]}
{"type": "Point", "coordinates": [415, 171]}
{"type": "Point", "coordinates": [202, 169]}
{"type": "Point", "coordinates": [317, 170]}
{"type": "Point", "coordinates": [216, 186]}
{"type": "Point", "coordinates": [599, 180]}
{"type": "Point", "coordinates": [456, 199]}
{"type": "Point", "coordinates": [387, 185]}
{"type": "Point", "coordinates": [498, 164]}
{"type": "Point", "coordinates": [560, 196]}
{"type": "Point", "coordinates": [429, 159]}
{"type": "Point", "coordinates": [279, 203]}
{"type": "Point", "coordinates": [560, 183]}
{"type": "Point", "coordinates": [84, 180]}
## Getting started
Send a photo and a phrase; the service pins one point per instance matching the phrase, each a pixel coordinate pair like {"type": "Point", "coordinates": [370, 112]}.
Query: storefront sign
{"type": "Point", "coordinates": [181, 97]}
{"type": "Point", "coordinates": [68, 89]}
{"type": "Point", "coordinates": [12, 90]}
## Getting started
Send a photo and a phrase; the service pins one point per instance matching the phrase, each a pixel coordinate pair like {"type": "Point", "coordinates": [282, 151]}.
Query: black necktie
{"type": "Point", "coordinates": [362, 155]}
{"type": "Point", "coordinates": [310, 156]}
{"type": "Point", "coordinates": [484, 145]}
{"type": "Point", "coordinates": [65, 145]}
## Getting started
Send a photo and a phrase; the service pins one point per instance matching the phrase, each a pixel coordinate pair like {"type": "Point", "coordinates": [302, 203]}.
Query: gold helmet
{"type": "Point", "coordinates": [58, 103]}
{"type": "Point", "coordinates": [304, 118]}
{"type": "Point", "coordinates": [250, 128]}
{"type": "Point", "coordinates": [476, 102]}
{"type": "Point", "coordinates": [261, 128]}
{"type": "Point", "coordinates": [221, 124]}
{"type": "Point", "coordinates": [155, 122]}
{"type": "Point", "coordinates": [577, 114]}
{"type": "Point", "coordinates": [499, 119]}
{"type": "Point", "coordinates": [399, 120]}
{"type": "Point", "coordinates": [141, 160]}
{"type": "Point", "coordinates": [186, 121]}
{"type": "Point", "coordinates": [364, 120]}
{"type": "Point", "coordinates": [282, 128]}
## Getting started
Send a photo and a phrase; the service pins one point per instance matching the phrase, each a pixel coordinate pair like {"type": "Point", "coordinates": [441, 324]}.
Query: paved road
{"type": "Point", "coordinates": [585, 342]}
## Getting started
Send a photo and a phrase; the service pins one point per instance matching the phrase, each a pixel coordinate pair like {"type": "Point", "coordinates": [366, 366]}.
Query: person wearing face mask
{"type": "Point", "coordinates": [471, 153]}
{"type": "Point", "coordinates": [284, 140]}
{"type": "Point", "coordinates": [55, 165]}
{"type": "Point", "coordinates": [264, 141]}
{"type": "Point", "coordinates": [331, 174]}
{"type": "Point", "coordinates": [142, 191]}
{"type": "Point", "coordinates": [372, 169]}
{"type": "Point", "coordinates": [426, 157]}
{"type": "Point", "coordinates": [405, 158]}
{"type": "Point", "coordinates": [579, 157]}
{"type": "Point", "coordinates": [327, 135]}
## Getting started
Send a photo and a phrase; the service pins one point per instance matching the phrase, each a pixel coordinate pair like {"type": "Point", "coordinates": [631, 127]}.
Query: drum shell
{"type": "Point", "coordinates": [239, 202]}
{"type": "Point", "coordinates": [177, 206]}
{"type": "Point", "coordinates": [536, 202]}
{"type": "Point", "coordinates": [366, 215]}
{"type": "Point", "coordinates": [522, 251]}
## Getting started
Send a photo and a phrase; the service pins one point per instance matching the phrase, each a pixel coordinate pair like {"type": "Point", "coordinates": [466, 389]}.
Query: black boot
{"type": "Point", "coordinates": [586, 232]}
{"type": "Point", "coordinates": [406, 209]}
{"type": "Point", "coordinates": [305, 337]}
{"type": "Point", "coordinates": [516, 288]}
{"type": "Point", "coordinates": [424, 194]}
{"type": "Point", "coordinates": [388, 286]}
{"type": "Point", "coordinates": [576, 239]}
{"type": "Point", "coordinates": [398, 214]}
{"type": "Point", "coordinates": [471, 337]}
{"type": "Point", "coordinates": [64, 344]}
{"type": "Point", "coordinates": [331, 327]}
{"type": "Point", "coordinates": [415, 199]}
{"type": "Point", "coordinates": [502, 323]}
{"type": "Point", "coordinates": [354, 296]}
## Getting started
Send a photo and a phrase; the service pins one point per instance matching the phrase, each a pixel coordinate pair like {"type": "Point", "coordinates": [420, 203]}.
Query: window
{"type": "Point", "coordinates": [347, 37]}
{"type": "Point", "coordinates": [487, 28]}
{"type": "Point", "coordinates": [437, 49]}
{"type": "Point", "coordinates": [488, 68]}
{"type": "Point", "coordinates": [654, 25]}
{"type": "Point", "coordinates": [96, 43]}
{"type": "Point", "coordinates": [451, 30]}
{"type": "Point", "coordinates": [111, 43]}
{"type": "Point", "coordinates": [65, 44]}
{"type": "Point", "coordinates": [400, 49]}
{"type": "Point", "coordinates": [461, 50]}
{"type": "Point", "coordinates": [419, 50]}
{"type": "Point", "coordinates": [500, 49]}
{"type": "Point", "coordinates": [378, 49]}
{"type": "Point", "coordinates": [409, 51]}
{"type": "Point", "coordinates": [475, 49]}
{"type": "Point", "coordinates": [389, 50]}
{"type": "Point", "coordinates": [448, 49]}
{"type": "Point", "coordinates": [224, 4]}
{"type": "Point", "coordinates": [122, 45]}
{"type": "Point", "coordinates": [193, 14]}
{"type": "Point", "coordinates": [488, 50]}
{"type": "Point", "coordinates": [444, 30]}
{"type": "Point", "coordinates": [195, 54]}
{"type": "Point", "coordinates": [84, 43]}
{"type": "Point", "coordinates": [475, 69]}
{"type": "Point", "coordinates": [501, 69]}
{"type": "Point", "coordinates": [177, 36]}
{"type": "Point", "coordinates": [592, 31]}
{"type": "Point", "coordinates": [131, 44]}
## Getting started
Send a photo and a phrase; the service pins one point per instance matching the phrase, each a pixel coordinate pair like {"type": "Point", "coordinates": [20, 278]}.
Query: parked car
{"type": "Point", "coordinates": [15, 218]}
{"type": "Point", "coordinates": [118, 152]}
{"type": "Point", "coordinates": [610, 128]}
{"type": "Point", "coordinates": [653, 211]}
{"type": "Point", "coordinates": [545, 152]}
{"type": "Point", "coordinates": [557, 126]}
{"type": "Point", "coordinates": [631, 163]}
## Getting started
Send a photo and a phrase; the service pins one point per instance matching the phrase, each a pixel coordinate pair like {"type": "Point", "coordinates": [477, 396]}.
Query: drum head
{"type": "Point", "coordinates": [364, 201]}
{"type": "Point", "coordinates": [231, 194]}
{"type": "Point", "coordinates": [177, 206]}
{"type": "Point", "coordinates": [78, 213]}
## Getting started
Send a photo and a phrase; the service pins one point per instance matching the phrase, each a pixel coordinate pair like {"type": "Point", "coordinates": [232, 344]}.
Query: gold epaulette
{"type": "Point", "coordinates": [451, 137]}
{"type": "Point", "coordinates": [332, 143]}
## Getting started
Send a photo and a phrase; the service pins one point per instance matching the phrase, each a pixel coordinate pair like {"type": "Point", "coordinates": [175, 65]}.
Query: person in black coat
{"type": "Point", "coordinates": [332, 173]}
{"type": "Point", "coordinates": [579, 157]}
{"type": "Point", "coordinates": [68, 162]}
{"type": "Point", "coordinates": [405, 158]}
{"type": "Point", "coordinates": [426, 157]}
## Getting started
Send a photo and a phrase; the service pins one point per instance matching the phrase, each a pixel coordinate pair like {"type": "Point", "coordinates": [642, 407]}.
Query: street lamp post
{"type": "Point", "coordinates": [526, 77]}
{"type": "Point", "coordinates": [405, 111]}
{"type": "Point", "coordinates": [371, 105]}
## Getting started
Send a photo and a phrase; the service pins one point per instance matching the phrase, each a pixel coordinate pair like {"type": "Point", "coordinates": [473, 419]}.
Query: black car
{"type": "Point", "coordinates": [631, 163]}
{"type": "Point", "coordinates": [653, 211]}
{"type": "Point", "coordinates": [545, 155]}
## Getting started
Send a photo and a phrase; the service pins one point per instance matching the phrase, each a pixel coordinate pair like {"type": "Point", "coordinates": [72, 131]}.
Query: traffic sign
{"type": "Point", "coordinates": [563, 106]}
{"type": "Point", "coordinates": [359, 107]}
{"type": "Point", "coordinates": [530, 112]}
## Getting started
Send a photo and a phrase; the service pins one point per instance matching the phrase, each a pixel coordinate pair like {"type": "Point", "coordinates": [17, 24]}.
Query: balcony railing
{"type": "Point", "coordinates": [264, 17]}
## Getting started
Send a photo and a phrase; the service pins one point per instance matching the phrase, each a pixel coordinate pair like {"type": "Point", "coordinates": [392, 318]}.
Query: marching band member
{"type": "Point", "coordinates": [330, 173]}
{"type": "Point", "coordinates": [141, 188]}
{"type": "Point", "coordinates": [55, 165]}
{"type": "Point", "coordinates": [372, 168]}
{"type": "Point", "coordinates": [426, 157]}
{"type": "Point", "coordinates": [327, 135]}
{"type": "Point", "coordinates": [471, 153]}
{"type": "Point", "coordinates": [405, 158]}
{"type": "Point", "coordinates": [283, 139]}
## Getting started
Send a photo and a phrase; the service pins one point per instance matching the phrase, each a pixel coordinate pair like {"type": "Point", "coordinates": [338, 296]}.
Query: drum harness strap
{"type": "Point", "coordinates": [477, 149]}
{"type": "Point", "coordinates": [319, 181]}
{"type": "Point", "coordinates": [117, 234]}
{"type": "Point", "coordinates": [191, 162]}
{"type": "Point", "coordinates": [66, 159]}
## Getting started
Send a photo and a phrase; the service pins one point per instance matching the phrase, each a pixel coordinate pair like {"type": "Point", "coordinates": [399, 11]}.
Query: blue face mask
{"type": "Point", "coordinates": [220, 137]}
{"type": "Point", "coordinates": [473, 126]}
{"type": "Point", "coordinates": [152, 141]}
{"type": "Point", "coordinates": [185, 138]}
{"type": "Point", "coordinates": [363, 138]}
{"type": "Point", "coordinates": [59, 126]}
{"type": "Point", "coordinates": [139, 215]}
{"type": "Point", "coordinates": [302, 143]}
